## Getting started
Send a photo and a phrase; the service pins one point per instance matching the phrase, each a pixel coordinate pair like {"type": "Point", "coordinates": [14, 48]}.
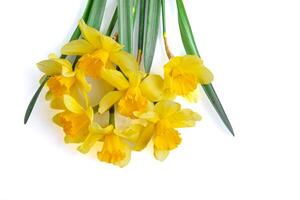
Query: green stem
{"type": "Point", "coordinates": [112, 115]}
{"type": "Point", "coordinates": [141, 30]}
{"type": "Point", "coordinates": [163, 9]}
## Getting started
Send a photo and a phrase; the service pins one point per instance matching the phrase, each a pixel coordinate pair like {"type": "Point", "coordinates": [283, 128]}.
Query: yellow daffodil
{"type": "Point", "coordinates": [98, 52]}
{"type": "Point", "coordinates": [116, 149]}
{"type": "Point", "coordinates": [63, 80]}
{"type": "Point", "coordinates": [75, 120]}
{"type": "Point", "coordinates": [163, 120]}
{"type": "Point", "coordinates": [133, 94]}
{"type": "Point", "coordinates": [183, 74]}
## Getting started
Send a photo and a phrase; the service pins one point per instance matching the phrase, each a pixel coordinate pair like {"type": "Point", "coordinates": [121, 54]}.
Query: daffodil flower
{"type": "Point", "coordinates": [116, 144]}
{"type": "Point", "coordinates": [75, 120]}
{"type": "Point", "coordinates": [133, 94]}
{"type": "Point", "coordinates": [98, 52]}
{"type": "Point", "coordinates": [163, 120]}
{"type": "Point", "coordinates": [182, 75]}
{"type": "Point", "coordinates": [63, 80]}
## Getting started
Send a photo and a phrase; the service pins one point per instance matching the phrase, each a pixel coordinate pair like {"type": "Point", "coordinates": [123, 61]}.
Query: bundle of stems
{"type": "Point", "coordinates": [150, 15]}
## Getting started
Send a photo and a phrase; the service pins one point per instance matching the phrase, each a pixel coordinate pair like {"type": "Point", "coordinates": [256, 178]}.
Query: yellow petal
{"type": "Point", "coordinates": [110, 45]}
{"type": "Point", "coordinates": [150, 116]}
{"type": "Point", "coordinates": [152, 87]}
{"type": "Point", "coordinates": [77, 47]}
{"type": "Point", "coordinates": [96, 133]}
{"type": "Point", "coordinates": [131, 133]}
{"type": "Point", "coordinates": [48, 96]}
{"type": "Point", "coordinates": [90, 34]}
{"type": "Point", "coordinates": [126, 159]}
{"type": "Point", "coordinates": [50, 67]}
{"type": "Point", "coordinates": [135, 78]}
{"type": "Point", "coordinates": [82, 82]}
{"type": "Point", "coordinates": [115, 78]}
{"type": "Point", "coordinates": [165, 137]}
{"type": "Point", "coordinates": [72, 105]}
{"type": "Point", "coordinates": [98, 89]}
{"type": "Point", "coordinates": [206, 76]}
{"type": "Point", "coordinates": [57, 103]}
{"type": "Point", "coordinates": [109, 100]}
{"type": "Point", "coordinates": [160, 155]}
{"type": "Point", "coordinates": [166, 108]}
{"type": "Point", "coordinates": [184, 118]}
{"type": "Point", "coordinates": [125, 61]}
{"type": "Point", "coordinates": [74, 139]}
{"type": "Point", "coordinates": [144, 138]}
{"type": "Point", "coordinates": [114, 150]}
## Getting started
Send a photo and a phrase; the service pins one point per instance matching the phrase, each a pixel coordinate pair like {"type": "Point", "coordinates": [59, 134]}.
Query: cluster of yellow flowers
{"type": "Point", "coordinates": [144, 100]}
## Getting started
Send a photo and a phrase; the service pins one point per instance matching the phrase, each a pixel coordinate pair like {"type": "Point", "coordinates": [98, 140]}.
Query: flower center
{"type": "Point", "coordinates": [165, 138]}
{"type": "Point", "coordinates": [60, 85]}
{"type": "Point", "coordinates": [93, 63]}
{"type": "Point", "coordinates": [132, 101]}
{"type": "Point", "coordinates": [182, 83]}
{"type": "Point", "coordinates": [113, 150]}
{"type": "Point", "coordinates": [74, 124]}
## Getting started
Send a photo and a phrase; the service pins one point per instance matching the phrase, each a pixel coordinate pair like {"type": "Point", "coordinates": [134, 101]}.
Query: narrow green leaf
{"type": "Point", "coordinates": [153, 18]}
{"type": "Point", "coordinates": [33, 100]}
{"type": "Point", "coordinates": [134, 10]}
{"type": "Point", "coordinates": [163, 10]}
{"type": "Point", "coordinates": [96, 14]}
{"type": "Point", "coordinates": [141, 29]}
{"type": "Point", "coordinates": [125, 24]}
{"type": "Point", "coordinates": [191, 48]}
{"type": "Point", "coordinates": [112, 23]}
{"type": "Point", "coordinates": [85, 17]}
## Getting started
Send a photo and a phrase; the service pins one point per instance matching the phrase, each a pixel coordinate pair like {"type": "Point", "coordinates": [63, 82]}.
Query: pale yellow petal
{"type": "Point", "coordinates": [109, 100]}
{"type": "Point", "coordinates": [161, 155]}
{"type": "Point", "coordinates": [90, 34]}
{"type": "Point", "coordinates": [206, 76]}
{"type": "Point", "coordinates": [152, 87]}
{"type": "Point", "coordinates": [72, 105]}
{"type": "Point", "coordinates": [115, 78]}
{"type": "Point", "coordinates": [125, 61]}
{"type": "Point", "coordinates": [82, 82]}
{"type": "Point", "coordinates": [96, 133]}
{"type": "Point", "coordinates": [57, 103]}
{"type": "Point", "coordinates": [77, 47]}
{"type": "Point", "coordinates": [126, 160]}
{"type": "Point", "coordinates": [110, 45]}
{"type": "Point", "coordinates": [50, 67]}
{"type": "Point", "coordinates": [166, 108]}
{"type": "Point", "coordinates": [184, 118]}
{"type": "Point", "coordinates": [144, 138]}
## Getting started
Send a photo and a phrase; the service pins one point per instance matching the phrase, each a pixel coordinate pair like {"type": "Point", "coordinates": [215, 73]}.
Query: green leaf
{"type": "Point", "coordinates": [33, 100]}
{"type": "Point", "coordinates": [112, 23]}
{"type": "Point", "coordinates": [96, 14]}
{"type": "Point", "coordinates": [85, 17]}
{"type": "Point", "coordinates": [141, 29]}
{"type": "Point", "coordinates": [191, 49]}
{"type": "Point", "coordinates": [125, 24]}
{"type": "Point", "coordinates": [153, 18]}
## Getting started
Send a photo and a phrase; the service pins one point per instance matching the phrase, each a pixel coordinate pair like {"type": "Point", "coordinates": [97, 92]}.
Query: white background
{"type": "Point", "coordinates": [252, 46]}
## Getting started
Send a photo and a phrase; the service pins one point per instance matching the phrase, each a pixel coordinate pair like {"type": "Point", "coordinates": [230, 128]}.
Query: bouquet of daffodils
{"type": "Point", "coordinates": [105, 94]}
